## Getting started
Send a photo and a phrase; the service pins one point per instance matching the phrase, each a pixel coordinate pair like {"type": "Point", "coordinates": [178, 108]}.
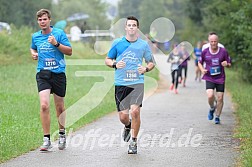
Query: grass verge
{"type": "Point", "coordinates": [241, 96]}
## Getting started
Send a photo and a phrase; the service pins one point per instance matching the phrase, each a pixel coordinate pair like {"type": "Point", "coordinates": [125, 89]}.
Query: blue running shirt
{"type": "Point", "coordinates": [132, 53]}
{"type": "Point", "coordinates": [49, 56]}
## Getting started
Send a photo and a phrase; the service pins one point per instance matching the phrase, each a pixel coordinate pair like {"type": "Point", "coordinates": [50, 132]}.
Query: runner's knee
{"type": "Point", "coordinates": [135, 112]}
{"type": "Point", "coordinates": [44, 107]}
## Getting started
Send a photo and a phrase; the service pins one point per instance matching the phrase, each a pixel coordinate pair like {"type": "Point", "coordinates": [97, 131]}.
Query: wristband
{"type": "Point", "coordinates": [57, 45]}
{"type": "Point", "coordinates": [147, 69]}
{"type": "Point", "coordinates": [114, 65]}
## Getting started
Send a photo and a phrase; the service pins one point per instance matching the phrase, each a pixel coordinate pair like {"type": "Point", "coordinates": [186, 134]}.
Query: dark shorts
{"type": "Point", "coordinates": [185, 71]}
{"type": "Point", "coordinates": [218, 87]}
{"type": "Point", "coordinates": [125, 96]}
{"type": "Point", "coordinates": [55, 82]}
{"type": "Point", "coordinates": [196, 62]}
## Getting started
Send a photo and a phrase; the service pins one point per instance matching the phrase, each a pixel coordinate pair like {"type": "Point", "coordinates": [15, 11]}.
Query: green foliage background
{"type": "Point", "coordinates": [193, 19]}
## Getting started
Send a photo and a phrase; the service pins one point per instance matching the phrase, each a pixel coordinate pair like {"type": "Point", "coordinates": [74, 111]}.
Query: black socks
{"type": "Point", "coordinates": [48, 136]}
{"type": "Point", "coordinates": [128, 126]}
{"type": "Point", "coordinates": [62, 131]}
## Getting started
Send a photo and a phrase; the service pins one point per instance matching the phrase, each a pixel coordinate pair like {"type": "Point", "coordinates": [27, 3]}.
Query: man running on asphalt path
{"type": "Point", "coordinates": [126, 56]}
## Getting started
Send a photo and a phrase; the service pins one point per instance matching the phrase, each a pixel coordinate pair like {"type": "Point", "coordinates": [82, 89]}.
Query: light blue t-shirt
{"type": "Point", "coordinates": [49, 56]}
{"type": "Point", "coordinates": [132, 53]}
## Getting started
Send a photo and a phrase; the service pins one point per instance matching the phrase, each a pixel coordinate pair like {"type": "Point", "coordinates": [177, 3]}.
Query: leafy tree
{"type": "Point", "coordinates": [177, 13]}
{"type": "Point", "coordinates": [21, 12]}
{"type": "Point", "coordinates": [94, 8]}
{"type": "Point", "coordinates": [194, 11]}
{"type": "Point", "coordinates": [231, 19]}
{"type": "Point", "coordinates": [4, 13]}
{"type": "Point", "coordinates": [129, 8]}
{"type": "Point", "coordinates": [149, 11]}
{"type": "Point", "coordinates": [241, 34]}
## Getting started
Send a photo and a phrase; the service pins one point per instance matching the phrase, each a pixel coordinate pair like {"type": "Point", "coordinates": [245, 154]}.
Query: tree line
{"type": "Point", "coordinates": [23, 13]}
{"type": "Point", "coordinates": [231, 19]}
{"type": "Point", "coordinates": [193, 19]}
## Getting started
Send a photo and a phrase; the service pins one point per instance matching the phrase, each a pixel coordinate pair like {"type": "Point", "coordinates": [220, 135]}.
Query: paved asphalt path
{"type": "Point", "coordinates": [175, 132]}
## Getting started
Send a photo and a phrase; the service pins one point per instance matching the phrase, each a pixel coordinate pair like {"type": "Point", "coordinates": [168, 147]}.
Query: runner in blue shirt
{"type": "Point", "coordinates": [48, 46]}
{"type": "Point", "coordinates": [197, 56]}
{"type": "Point", "coordinates": [126, 56]}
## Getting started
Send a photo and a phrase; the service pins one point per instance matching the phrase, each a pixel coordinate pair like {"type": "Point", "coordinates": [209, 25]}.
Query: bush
{"type": "Point", "coordinates": [15, 46]}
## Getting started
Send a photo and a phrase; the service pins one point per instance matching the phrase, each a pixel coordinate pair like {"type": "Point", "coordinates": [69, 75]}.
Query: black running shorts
{"type": "Point", "coordinates": [55, 81]}
{"type": "Point", "coordinates": [125, 96]}
{"type": "Point", "coordinates": [218, 87]}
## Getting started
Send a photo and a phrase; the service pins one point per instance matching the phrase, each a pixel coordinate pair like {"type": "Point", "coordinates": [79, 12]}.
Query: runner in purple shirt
{"type": "Point", "coordinates": [183, 65]}
{"type": "Point", "coordinates": [214, 59]}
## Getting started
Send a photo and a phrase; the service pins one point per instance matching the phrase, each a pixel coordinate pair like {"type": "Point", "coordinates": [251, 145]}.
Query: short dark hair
{"type": "Point", "coordinates": [133, 18]}
{"type": "Point", "coordinates": [41, 12]}
{"type": "Point", "coordinates": [212, 33]}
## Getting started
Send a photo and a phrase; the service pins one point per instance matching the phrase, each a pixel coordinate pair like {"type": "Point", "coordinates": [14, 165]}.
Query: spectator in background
{"type": "Point", "coordinates": [75, 33]}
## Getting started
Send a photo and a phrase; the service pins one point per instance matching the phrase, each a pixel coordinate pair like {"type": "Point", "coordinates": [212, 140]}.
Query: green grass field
{"type": "Point", "coordinates": [20, 128]}
{"type": "Point", "coordinates": [241, 97]}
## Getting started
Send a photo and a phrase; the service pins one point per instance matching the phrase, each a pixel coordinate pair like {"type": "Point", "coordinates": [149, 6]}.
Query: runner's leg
{"type": "Point", "coordinates": [44, 96]}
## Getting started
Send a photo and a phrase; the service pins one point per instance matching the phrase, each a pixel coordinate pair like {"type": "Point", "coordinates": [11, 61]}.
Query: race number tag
{"type": "Point", "coordinates": [174, 66]}
{"type": "Point", "coordinates": [50, 63]}
{"type": "Point", "coordinates": [215, 70]}
{"type": "Point", "coordinates": [131, 75]}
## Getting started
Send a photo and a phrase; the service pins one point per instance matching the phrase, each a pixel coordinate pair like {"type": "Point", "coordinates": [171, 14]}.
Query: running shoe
{"type": "Point", "coordinates": [46, 144]}
{"type": "Point", "coordinates": [171, 87]}
{"type": "Point", "coordinates": [126, 134]}
{"type": "Point", "coordinates": [132, 147]}
{"type": "Point", "coordinates": [62, 142]}
{"type": "Point", "coordinates": [217, 120]}
{"type": "Point", "coordinates": [211, 113]}
{"type": "Point", "coordinates": [176, 91]}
